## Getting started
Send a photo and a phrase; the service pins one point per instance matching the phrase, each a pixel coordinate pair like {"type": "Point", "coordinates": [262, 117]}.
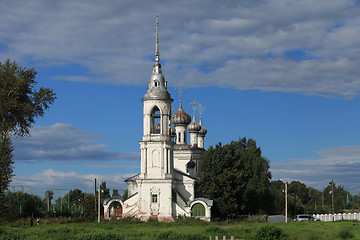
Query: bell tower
{"type": "Point", "coordinates": [155, 180]}
{"type": "Point", "coordinates": [156, 146]}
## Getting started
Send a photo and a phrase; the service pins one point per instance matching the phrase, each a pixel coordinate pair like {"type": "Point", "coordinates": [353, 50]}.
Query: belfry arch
{"type": "Point", "coordinates": [155, 120]}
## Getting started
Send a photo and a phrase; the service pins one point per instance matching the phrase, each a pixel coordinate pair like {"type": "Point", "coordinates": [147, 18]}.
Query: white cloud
{"type": "Point", "coordinates": [338, 163]}
{"type": "Point", "coordinates": [63, 142]}
{"type": "Point", "coordinates": [114, 41]}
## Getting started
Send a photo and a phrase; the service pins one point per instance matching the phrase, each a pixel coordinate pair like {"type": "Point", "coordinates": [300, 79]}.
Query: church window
{"type": "Point", "coordinates": [155, 118]}
{"type": "Point", "coordinates": [154, 198]}
{"type": "Point", "coordinates": [198, 210]}
{"type": "Point", "coordinates": [179, 137]}
{"type": "Point", "coordinates": [156, 83]}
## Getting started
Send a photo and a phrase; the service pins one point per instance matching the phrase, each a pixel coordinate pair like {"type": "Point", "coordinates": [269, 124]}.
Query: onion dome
{"type": "Point", "coordinates": [181, 117]}
{"type": "Point", "coordinates": [203, 130]}
{"type": "Point", "coordinates": [194, 126]}
{"type": "Point", "coordinates": [190, 164]}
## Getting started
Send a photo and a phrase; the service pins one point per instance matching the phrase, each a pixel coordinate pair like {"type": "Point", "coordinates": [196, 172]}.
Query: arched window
{"type": "Point", "coordinates": [155, 117]}
{"type": "Point", "coordinates": [179, 137]}
{"type": "Point", "coordinates": [198, 210]}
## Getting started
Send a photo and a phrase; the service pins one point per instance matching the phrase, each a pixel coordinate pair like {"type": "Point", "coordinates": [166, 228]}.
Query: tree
{"type": "Point", "coordinates": [340, 196]}
{"type": "Point", "coordinates": [125, 195]}
{"type": "Point", "coordinates": [20, 105]}
{"type": "Point", "coordinates": [5, 169]}
{"type": "Point", "coordinates": [115, 192]}
{"type": "Point", "coordinates": [277, 191]}
{"type": "Point", "coordinates": [237, 177]}
{"type": "Point", "coordinates": [49, 195]}
{"type": "Point", "coordinates": [105, 192]}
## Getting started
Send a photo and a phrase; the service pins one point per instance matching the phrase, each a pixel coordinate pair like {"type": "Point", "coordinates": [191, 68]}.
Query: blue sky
{"type": "Point", "coordinates": [285, 73]}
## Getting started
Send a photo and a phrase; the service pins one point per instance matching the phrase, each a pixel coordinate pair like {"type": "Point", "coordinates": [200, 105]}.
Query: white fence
{"type": "Point", "coordinates": [337, 217]}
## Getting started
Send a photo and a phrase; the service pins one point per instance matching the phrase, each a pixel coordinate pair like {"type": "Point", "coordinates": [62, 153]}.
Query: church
{"type": "Point", "coordinates": [165, 187]}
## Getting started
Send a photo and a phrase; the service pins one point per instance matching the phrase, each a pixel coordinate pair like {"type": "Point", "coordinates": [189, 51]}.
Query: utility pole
{"type": "Point", "coordinates": [286, 203]}
{"type": "Point", "coordinates": [332, 197]}
{"type": "Point", "coordinates": [95, 195]}
{"type": "Point", "coordinates": [99, 202]}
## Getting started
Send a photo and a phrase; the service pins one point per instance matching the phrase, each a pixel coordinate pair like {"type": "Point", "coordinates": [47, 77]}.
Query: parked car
{"type": "Point", "coordinates": [305, 217]}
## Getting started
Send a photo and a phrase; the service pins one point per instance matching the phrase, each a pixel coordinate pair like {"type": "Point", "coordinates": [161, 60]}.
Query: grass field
{"type": "Point", "coordinates": [182, 229]}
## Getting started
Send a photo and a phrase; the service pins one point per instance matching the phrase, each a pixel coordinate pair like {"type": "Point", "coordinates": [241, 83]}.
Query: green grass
{"type": "Point", "coordinates": [183, 229]}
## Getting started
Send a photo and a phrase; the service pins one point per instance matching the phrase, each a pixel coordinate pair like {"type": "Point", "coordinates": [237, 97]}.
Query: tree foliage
{"type": "Point", "coordinates": [20, 102]}
{"type": "Point", "coordinates": [6, 169]}
{"type": "Point", "coordinates": [303, 199]}
{"type": "Point", "coordinates": [20, 105]}
{"type": "Point", "coordinates": [237, 177]}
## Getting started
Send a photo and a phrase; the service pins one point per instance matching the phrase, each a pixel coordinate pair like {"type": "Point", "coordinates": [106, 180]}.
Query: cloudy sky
{"type": "Point", "coordinates": [285, 73]}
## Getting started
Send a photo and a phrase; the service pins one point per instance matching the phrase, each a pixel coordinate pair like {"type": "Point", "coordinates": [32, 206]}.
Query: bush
{"type": "Point", "coordinates": [100, 236]}
{"type": "Point", "coordinates": [269, 232]}
{"type": "Point", "coordinates": [345, 234]}
{"type": "Point", "coordinates": [190, 221]}
{"type": "Point", "coordinates": [215, 229]}
{"type": "Point", "coordinates": [180, 236]}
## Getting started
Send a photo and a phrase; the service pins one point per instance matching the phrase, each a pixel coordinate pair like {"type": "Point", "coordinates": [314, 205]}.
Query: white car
{"type": "Point", "coordinates": [305, 217]}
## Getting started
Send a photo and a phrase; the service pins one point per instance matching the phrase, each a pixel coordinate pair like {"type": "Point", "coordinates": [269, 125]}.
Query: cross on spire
{"type": "Point", "coordinates": [200, 109]}
{"type": "Point", "coordinates": [194, 106]}
{"type": "Point", "coordinates": [157, 54]}
{"type": "Point", "coordinates": [180, 88]}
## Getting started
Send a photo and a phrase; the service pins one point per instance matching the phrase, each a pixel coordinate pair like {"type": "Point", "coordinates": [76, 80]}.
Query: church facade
{"type": "Point", "coordinates": [165, 187]}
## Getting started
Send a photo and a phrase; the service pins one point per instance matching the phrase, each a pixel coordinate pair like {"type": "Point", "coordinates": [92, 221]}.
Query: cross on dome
{"type": "Point", "coordinates": [194, 106]}
{"type": "Point", "coordinates": [200, 109]}
{"type": "Point", "coordinates": [180, 88]}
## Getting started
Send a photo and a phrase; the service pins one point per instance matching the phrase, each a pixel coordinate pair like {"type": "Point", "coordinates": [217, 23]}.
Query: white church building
{"type": "Point", "coordinates": [165, 187]}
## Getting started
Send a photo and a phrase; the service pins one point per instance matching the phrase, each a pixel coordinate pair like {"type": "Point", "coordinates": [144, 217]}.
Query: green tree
{"type": "Point", "coordinates": [125, 195]}
{"type": "Point", "coordinates": [89, 201]}
{"type": "Point", "coordinates": [20, 105]}
{"type": "Point", "coordinates": [115, 192]}
{"type": "Point", "coordinates": [340, 198]}
{"type": "Point", "coordinates": [6, 170]}
{"type": "Point", "coordinates": [237, 177]}
{"type": "Point", "coordinates": [277, 192]}
{"type": "Point", "coordinates": [105, 192]}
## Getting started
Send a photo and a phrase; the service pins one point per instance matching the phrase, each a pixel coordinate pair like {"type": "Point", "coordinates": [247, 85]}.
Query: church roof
{"type": "Point", "coordinates": [208, 202]}
{"type": "Point", "coordinates": [117, 197]}
{"type": "Point", "coordinates": [186, 175]}
{"type": "Point", "coordinates": [132, 178]}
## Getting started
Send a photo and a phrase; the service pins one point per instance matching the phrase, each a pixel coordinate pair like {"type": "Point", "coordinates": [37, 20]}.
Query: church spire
{"type": "Point", "coordinates": [157, 88]}
{"type": "Point", "coordinates": [157, 54]}
{"type": "Point", "coordinates": [157, 65]}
